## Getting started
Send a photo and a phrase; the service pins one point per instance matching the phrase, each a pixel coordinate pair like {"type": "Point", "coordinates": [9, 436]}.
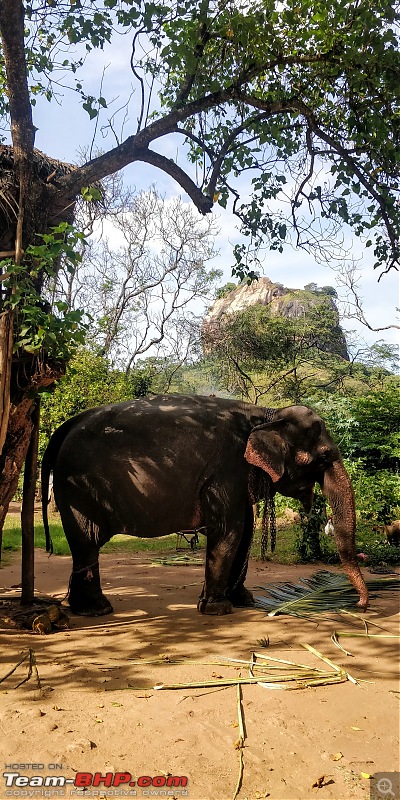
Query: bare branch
{"type": "Point", "coordinates": [353, 308]}
{"type": "Point", "coordinates": [140, 292]}
{"type": "Point", "coordinates": [139, 79]}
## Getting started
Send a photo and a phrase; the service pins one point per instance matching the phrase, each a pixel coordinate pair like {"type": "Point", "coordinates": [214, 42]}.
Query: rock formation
{"type": "Point", "coordinates": [293, 303]}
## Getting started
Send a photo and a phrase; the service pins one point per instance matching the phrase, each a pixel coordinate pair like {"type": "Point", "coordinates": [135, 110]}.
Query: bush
{"type": "Point", "coordinates": [378, 495]}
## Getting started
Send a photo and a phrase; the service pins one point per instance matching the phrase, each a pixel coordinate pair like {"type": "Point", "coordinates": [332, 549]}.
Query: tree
{"type": "Point", "coordinates": [300, 95]}
{"type": "Point", "coordinates": [90, 381]}
{"type": "Point", "coordinates": [143, 294]}
{"type": "Point", "coordinates": [259, 354]}
{"type": "Point", "coordinates": [366, 429]}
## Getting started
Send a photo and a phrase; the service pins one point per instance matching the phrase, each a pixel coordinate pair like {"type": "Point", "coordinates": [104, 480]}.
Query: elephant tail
{"type": "Point", "coordinates": [45, 482]}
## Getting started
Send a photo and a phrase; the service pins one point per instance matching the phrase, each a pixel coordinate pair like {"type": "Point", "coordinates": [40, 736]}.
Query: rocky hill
{"type": "Point", "coordinates": [293, 303]}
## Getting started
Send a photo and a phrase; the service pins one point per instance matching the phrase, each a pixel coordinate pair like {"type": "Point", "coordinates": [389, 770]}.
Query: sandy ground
{"type": "Point", "coordinates": [98, 712]}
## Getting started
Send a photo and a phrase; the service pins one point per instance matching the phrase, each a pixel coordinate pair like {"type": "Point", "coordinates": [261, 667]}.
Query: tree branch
{"type": "Point", "coordinates": [348, 278]}
{"type": "Point", "coordinates": [204, 36]}
{"type": "Point", "coordinates": [203, 203]}
{"type": "Point", "coordinates": [135, 148]}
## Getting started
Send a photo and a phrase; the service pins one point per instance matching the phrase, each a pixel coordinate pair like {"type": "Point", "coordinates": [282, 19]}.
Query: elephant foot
{"type": "Point", "coordinates": [214, 605]}
{"type": "Point", "coordinates": [85, 596]}
{"type": "Point", "coordinates": [101, 607]}
{"type": "Point", "coordinates": [241, 597]}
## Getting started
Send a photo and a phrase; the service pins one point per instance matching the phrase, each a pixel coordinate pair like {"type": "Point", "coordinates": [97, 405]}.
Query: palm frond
{"type": "Point", "coordinates": [178, 561]}
{"type": "Point", "coordinates": [323, 592]}
{"type": "Point", "coordinates": [266, 671]}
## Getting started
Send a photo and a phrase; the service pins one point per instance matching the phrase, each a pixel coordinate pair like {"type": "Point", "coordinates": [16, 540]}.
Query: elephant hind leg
{"type": "Point", "coordinates": [85, 596]}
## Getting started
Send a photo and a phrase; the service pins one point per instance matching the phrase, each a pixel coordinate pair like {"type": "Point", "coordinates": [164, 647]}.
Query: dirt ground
{"type": "Point", "coordinates": [98, 712]}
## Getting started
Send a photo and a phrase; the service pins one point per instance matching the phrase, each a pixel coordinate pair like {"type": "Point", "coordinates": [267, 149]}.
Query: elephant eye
{"type": "Point", "coordinates": [315, 429]}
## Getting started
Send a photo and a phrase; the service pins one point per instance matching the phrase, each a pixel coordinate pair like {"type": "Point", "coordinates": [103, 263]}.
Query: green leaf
{"type": "Point", "coordinates": [91, 194]}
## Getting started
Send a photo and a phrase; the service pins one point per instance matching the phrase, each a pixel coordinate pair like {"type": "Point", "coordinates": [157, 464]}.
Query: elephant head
{"type": "Point", "coordinates": [296, 452]}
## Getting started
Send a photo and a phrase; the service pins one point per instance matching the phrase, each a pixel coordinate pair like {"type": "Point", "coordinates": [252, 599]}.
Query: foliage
{"type": "Point", "coordinates": [308, 543]}
{"type": "Point", "coordinates": [368, 427]}
{"type": "Point", "coordinates": [367, 430]}
{"type": "Point", "coordinates": [377, 552]}
{"type": "Point", "coordinates": [223, 291]}
{"type": "Point", "coordinates": [377, 440]}
{"type": "Point", "coordinates": [377, 494]}
{"type": "Point", "coordinates": [321, 593]}
{"type": "Point", "coordinates": [52, 330]}
{"type": "Point", "coordinates": [329, 291]}
{"type": "Point", "coordinates": [382, 357]}
{"type": "Point", "coordinates": [287, 92]}
{"type": "Point", "coordinates": [256, 353]}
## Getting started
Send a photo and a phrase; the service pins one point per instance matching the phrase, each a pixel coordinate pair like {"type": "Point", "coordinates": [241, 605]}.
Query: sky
{"type": "Point", "coordinates": [64, 128]}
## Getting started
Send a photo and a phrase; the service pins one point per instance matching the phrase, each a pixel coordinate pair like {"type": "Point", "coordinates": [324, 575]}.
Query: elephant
{"type": "Point", "coordinates": [160, 464]}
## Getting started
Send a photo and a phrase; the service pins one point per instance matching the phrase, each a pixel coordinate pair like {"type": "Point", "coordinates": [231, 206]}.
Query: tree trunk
{"type": "Point", "coordinates": [14, 452]}
{"type": "Point", "coordinates": [6, 346]}
{"type": "Point", "coordinates": [27, 512]}
{"type": "Point", "coordinates": [25, 382]}
{"type": "Point", "coordinates": [32, 199]}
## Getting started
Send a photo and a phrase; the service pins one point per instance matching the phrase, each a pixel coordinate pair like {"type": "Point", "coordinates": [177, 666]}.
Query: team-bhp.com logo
{"type": "Point", "coordinates": [118, 784]}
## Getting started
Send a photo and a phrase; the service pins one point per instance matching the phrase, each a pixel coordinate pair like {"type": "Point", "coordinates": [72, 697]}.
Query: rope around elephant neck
{"type": "Point", "coordinates": [269, 515]}
{"type": "Point", "coordinates": [83, 569]}
{"type": "Point", "coordinates": [268, 521]}
{"type": "Point", "coordinates": [269, 414]}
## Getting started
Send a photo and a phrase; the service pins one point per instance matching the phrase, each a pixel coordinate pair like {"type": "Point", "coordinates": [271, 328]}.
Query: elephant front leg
{"type": "Point", "coordinates": [238, 594]}
{"type": "Point", "coordinates": [220, 556]}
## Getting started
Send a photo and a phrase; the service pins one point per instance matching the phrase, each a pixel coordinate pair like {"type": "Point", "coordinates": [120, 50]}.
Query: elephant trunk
{"type": "Point", "coordinates": [337, 488]}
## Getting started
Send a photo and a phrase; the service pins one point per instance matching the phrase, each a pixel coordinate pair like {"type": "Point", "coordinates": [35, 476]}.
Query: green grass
{"type": "Point", "coordinates": [118, 544]}
{"type": "Point", "coordinates": [367, 541]}
{"type": "Point", "coordinates": [285, 550]}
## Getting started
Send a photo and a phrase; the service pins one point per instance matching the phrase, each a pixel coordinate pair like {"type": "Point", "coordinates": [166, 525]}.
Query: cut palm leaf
{"type": "Point", "coordinates": [281, 674]}
{"type": "Point", "coordinates": [323, 592]}
{"type": "Point", "coordinates": [178, 561]}
{"type": "Point", "coordinates": [336, 634]}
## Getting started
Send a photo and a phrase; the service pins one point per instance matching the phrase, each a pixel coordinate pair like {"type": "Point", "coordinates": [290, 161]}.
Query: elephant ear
{"type": "Point", "coordinates": [266, 450]}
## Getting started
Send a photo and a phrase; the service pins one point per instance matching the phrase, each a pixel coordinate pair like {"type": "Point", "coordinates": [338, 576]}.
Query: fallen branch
{"type": "Point", "coordinates": [32, 668]}
{"type": "Point", "coordinates": [329, 662]}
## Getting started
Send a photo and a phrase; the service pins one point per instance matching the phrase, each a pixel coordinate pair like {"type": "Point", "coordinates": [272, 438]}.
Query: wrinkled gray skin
{"type": "Point", "coordinates": [157, 465]}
